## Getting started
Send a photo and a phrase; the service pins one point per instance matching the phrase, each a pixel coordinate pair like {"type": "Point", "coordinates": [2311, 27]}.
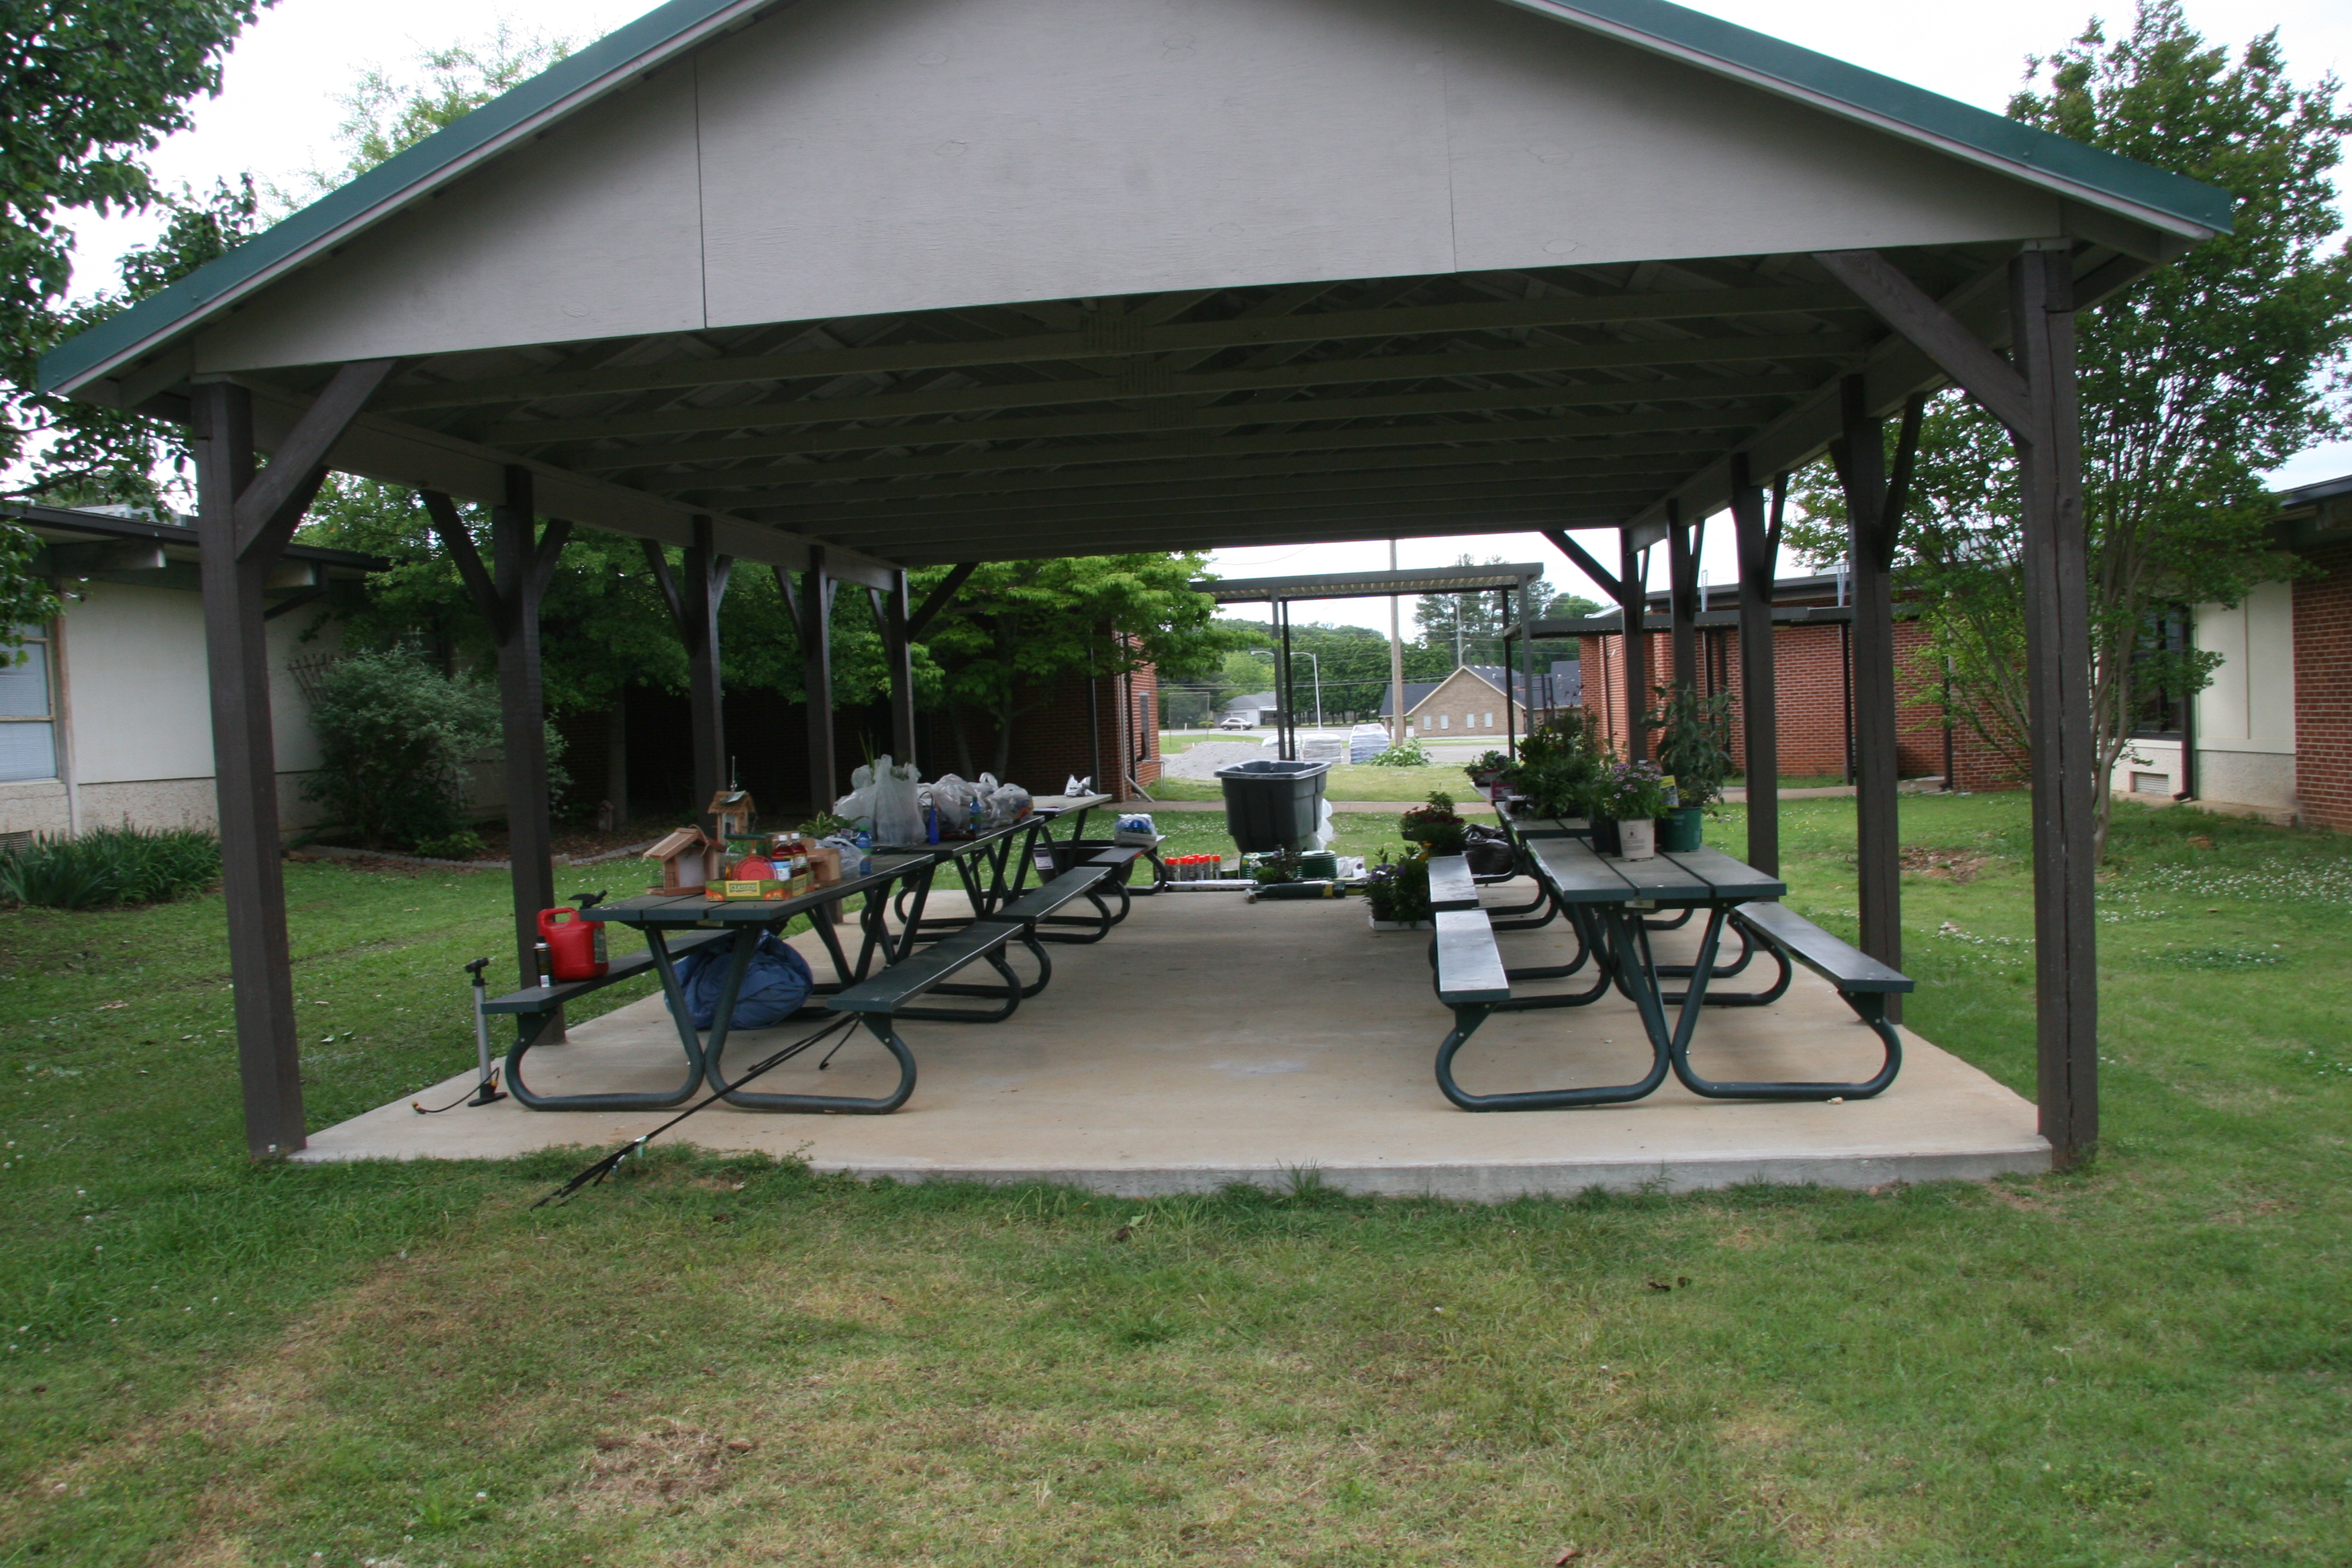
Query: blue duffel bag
{"type": "Point", "coordinates": [774, 986]}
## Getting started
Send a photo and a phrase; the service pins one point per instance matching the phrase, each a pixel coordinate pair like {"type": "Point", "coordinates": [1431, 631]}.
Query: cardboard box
{"type": "Point", "coordinates": [824, 863]}
{"type": "Point", "coordinates": [766, 890]}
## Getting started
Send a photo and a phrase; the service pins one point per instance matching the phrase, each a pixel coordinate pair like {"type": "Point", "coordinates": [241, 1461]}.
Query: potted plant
{"type": "Point", "coordinates": [1434, 825]}
{"type": "Point", "coordinates": [1694, 750]}
{"type": "Point", "coordinates": [1491, 773]}
{"type": "Point", "coordinates": [1397, 891]}
{"type": "Point", "coordinates": [1559, 762]}
{"type": "Point", "coordinates": [1634, 796]}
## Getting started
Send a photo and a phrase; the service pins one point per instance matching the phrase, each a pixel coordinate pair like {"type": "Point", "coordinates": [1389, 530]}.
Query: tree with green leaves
{"type": "Point", "coordinates": [2197, 380]}
{"type": "Point", "coordinates": [90, 88]}
{"type": "Point", "coordinates": [1017, 630]}
{"type": "Point", "coordinates": [1474, 623]}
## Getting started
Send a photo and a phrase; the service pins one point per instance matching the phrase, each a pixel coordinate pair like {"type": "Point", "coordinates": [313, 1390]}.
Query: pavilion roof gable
{"type": "Point", "coordinates": [358, 250]}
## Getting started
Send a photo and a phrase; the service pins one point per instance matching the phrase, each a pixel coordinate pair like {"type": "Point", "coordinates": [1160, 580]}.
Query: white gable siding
{"type": "Point", "coordinates": [848, 157]}
{"type": "Point", "coordinates": [593, 233]}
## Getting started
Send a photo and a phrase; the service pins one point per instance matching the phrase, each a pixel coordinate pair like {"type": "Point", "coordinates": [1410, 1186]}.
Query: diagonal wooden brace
{"type": "Point", "coordinates": [1934, 331]}
{"type": "Point", "coordinates": [267, 510]}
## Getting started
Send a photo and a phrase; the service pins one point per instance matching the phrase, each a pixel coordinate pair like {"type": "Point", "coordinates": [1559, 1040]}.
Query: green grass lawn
{"type": "Point", "coordinates": [716, 1361]}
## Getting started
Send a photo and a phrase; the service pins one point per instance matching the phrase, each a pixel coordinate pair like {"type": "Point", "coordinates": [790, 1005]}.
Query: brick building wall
{"type": "Point", "coordinates": [1811, 702]}
{"type": "Point", "coordinates": [2323, 687]}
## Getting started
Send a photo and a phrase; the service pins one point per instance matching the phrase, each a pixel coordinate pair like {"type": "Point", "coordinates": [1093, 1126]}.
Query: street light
{"type": "Point", "coordinates": [1267, 654]}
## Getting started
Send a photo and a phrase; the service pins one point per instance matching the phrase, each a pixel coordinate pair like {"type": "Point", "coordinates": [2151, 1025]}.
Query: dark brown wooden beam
{"type": "Point", "coordinates": [803, 512]}
{"type": "Point", "coordinates": [269, 509]}
{"type": "Point", "coordinates": [522, 713]}
{"type": "Point", "coordinates": [1121, 337]}
{"type": "Point", "coordinates": [2066, 772]}
{"type": "Point", "coordinates": [1682, 599]}
{"type": "Point", "coordinates": [1632, 609]}
{"type": "Point", "coordinates": [1601, 576]}
{"type": "Point", "coordinates": [937, 600]}
{"type": "Point", "coordinates": [1149, 383]}
{"type": "Point", "coordinates": [244, 767]}
{"type": "Point", "coordinates": [1541, 499]}
{"type": "Point", "coordinates": [700, 594]}
{"type": "Point", "coordinates": [1363, 451]}
{"type": "Point", "coordinates": [1228, 527]}
{"type": "Point", "coordinates": [449, 527]}
{"type": "Point", "coordinates": [1860, 455]}
{"type": "Point", "coordinates": [1912, 312]}
{"type": "Point", "coordinates": [1164, 415]}
{"type": "Point", "coordinates": [1757, 545]}
{"type": "Point", "coordinates": [896, 616]}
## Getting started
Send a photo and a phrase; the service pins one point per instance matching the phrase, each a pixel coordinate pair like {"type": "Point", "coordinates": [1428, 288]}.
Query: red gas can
{"type": "Point", "coordinates": [575, 947]}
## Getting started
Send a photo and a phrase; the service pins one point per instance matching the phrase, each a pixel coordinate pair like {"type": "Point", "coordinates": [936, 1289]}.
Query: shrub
{"type": "Point", "coordinates": [394, 737]}
{"type": "Point", "coordinates": [111, 866]}
{"type": "Point", "coordinates": [463, 844]}
{"type": "Point", "coordinates": [1409, 755]}
{"type": "Point", "coordinates": [1398, 890]}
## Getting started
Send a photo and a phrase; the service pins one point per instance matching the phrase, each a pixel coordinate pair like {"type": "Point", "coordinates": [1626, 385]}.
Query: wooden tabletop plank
{"type": "Point", "coordinates": [1577, 875]}
{"type": "Point", "coordinates": [1733, 880]}
{"type": "Point", "coordinates": [1660, 880]}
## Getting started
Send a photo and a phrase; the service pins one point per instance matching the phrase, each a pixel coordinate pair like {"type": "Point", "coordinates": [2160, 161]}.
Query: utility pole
{"type": "Point", "coordinates": [1396, 660]}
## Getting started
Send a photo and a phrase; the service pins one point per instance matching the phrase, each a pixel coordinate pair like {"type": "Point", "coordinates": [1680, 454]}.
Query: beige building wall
{"type": "Point", "coordinates": [2245, 718]}
{"type": "Point", "coordinates": [1465, 705]}
{"type": "Point", "coordinates": [134, 716]}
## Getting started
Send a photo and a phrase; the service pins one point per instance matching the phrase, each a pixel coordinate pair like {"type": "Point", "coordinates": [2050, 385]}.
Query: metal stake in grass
{"type": "Point", "coordinates": [594, 1175]}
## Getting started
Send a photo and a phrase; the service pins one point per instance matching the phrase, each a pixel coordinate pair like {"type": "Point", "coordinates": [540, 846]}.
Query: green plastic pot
{"type": "Point", "coordinates": [1680, 829]}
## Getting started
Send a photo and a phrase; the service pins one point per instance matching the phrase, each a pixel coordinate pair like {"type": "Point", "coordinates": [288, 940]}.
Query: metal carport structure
{"type": "Point", "coordinates": [848, 287]}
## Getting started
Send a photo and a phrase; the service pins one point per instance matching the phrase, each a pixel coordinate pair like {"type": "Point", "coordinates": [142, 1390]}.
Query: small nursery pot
{"type": "Point", "coordinates": [1638, 839]}
{"type": "Point", "coordinates": [1680, 829]}
{"type": "Point", "coordinates": [1605, 837]}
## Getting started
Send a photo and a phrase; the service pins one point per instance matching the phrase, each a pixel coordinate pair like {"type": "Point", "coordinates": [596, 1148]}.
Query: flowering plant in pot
{"type": "Point", "coordinates": [1694, 749]}
{"type": "Point", "coordinates": [1398, 890]}
{"type": "Point", "coordinates": [1633, 796]}
{"type": "Point", "coordinates": [1492, 769]}
{"type": "Point", "coordinates": [1434, 825]}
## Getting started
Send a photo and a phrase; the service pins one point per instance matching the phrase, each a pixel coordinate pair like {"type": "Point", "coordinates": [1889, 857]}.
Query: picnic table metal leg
{"type": "Point", "coordinates": [527, 1034]}
{"type": "Point", "coordinates": [1869, 1006]}
{"type": "Point", "coordinates": [1467, 1019]}
{"type": "Point", "coordinates": [1750, 944]}
{"type": "Point", "coordinates": [844, 1104]}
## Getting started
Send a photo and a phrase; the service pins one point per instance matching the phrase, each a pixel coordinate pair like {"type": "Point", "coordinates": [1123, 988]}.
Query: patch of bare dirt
{"type": "Point", "coordinates": [1955, 865]}
{"type": "Point", "coordinates": [669, 1465]}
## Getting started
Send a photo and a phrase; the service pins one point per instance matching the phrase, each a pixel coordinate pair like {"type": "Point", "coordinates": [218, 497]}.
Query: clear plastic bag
{"type": "Point", "coordinates": [951, 797]}
{"type": "Point", "coordinates": [898, 810]}
{"type": "Point", "coordinates": [1008, 804]}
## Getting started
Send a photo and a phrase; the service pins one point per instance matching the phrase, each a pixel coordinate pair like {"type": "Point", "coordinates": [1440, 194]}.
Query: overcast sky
{"type": "Point", "coordinates": [278, 114]}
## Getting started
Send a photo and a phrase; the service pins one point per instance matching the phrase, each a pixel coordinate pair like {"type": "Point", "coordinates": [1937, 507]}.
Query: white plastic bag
{"type": "Point", "coordinates": [857, 806]}
{"type": "Point", "coordinates": [898, 815]}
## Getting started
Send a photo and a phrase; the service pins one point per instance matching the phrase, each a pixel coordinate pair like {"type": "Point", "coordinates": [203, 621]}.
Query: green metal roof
{"type": "Point", "coordinates": [1657, 24]}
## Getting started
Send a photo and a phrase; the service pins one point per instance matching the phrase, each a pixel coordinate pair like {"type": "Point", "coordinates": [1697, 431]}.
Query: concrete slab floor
{"type": "Point", "coordinates": [1210, 1040]}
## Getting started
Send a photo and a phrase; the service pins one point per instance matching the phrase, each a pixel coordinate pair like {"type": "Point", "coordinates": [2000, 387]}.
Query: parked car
{"type": "Point", "coordinates": [1236, 721]}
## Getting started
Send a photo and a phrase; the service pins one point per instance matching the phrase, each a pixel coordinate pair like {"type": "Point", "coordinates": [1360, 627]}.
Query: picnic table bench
{"type": "Point", "coordinates": [1610, 896]}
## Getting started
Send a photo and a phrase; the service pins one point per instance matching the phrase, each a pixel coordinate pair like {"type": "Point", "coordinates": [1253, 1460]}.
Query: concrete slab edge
{"type": "Point", "coordinates": [1498, 1183]}
{"type": "Point", "coordinates": [1501, 1183]}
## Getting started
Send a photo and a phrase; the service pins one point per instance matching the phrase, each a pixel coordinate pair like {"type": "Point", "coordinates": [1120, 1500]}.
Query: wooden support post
{"type": "Point", "coordinates": [694, 610]}
{"type": "Point", "coordinates": [1510, 713]}
{"type": "Point", "coordinates": [521, 564]}
{"type": "Point", "coordinates": [1632, 604]}
{"type": "Point", "coordinates": [899, 656]}
{"type": "Point", "coordinates": [1526, 662]}
{"type": "Point", "coordinates": [2036, 396]}
{"type": "Point", "coordinates": [1758, 547]}
{"type": "Point", "coordinates": [2058, 679]}
{"type": "Point", "coordinates": [245, 763]}
{"type": "Point", "coordinates": [1873, 521]}
{"type": "Point", "coordinates": [244, 519]}
{"type": "Point", "coordinates": [1682, 596]}
{"type": "Point", "coordinates": [817, 663]}
{"type": "Point", "coordinates": [704, 590]}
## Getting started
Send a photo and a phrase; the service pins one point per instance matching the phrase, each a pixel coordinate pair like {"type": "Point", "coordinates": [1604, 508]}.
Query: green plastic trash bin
{"type": "Point", "coordinates": [1273, 805]}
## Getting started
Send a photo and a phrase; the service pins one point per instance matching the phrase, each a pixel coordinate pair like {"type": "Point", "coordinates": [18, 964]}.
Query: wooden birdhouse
{"type": "Point", "coordinates": [687, 858]}
{"type": "Point", "coordinates": [731, 812]}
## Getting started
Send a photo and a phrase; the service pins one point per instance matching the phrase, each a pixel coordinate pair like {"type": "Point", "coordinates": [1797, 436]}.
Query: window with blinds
{"type": "Point", "coordinates": [28, 738]}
